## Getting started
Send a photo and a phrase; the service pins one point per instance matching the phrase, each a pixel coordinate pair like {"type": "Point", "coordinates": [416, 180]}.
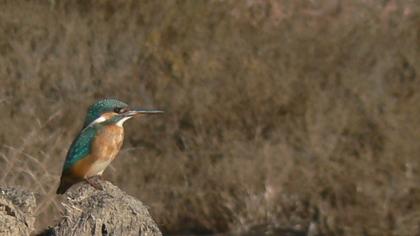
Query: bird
{"type": "Point", "coordinates": [98, 142]}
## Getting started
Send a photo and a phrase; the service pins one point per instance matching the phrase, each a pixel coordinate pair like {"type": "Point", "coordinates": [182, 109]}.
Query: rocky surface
{"type": "Point", "coordinates": [17, 208]}
{"type": "Point", "coordinates": [89, 211]}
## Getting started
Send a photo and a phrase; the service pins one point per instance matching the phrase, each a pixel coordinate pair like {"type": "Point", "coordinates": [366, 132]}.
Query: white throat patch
{"type": "Point", "coordinates": [121, 122]}
{"type": "Point", "coordinates": [102, 119]}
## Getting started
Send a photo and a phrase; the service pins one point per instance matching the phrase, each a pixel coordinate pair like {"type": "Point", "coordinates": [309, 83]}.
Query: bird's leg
{"type": "Point", "coordinates": [94, 181]}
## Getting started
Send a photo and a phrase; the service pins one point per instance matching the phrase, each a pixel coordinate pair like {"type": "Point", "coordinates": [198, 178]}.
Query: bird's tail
{"type": "Point", "coordinates": [65, 183]}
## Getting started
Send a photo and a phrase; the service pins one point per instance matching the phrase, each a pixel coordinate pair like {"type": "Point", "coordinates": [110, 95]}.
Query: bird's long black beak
{"type": "Point", "coordinates": [138, 111]}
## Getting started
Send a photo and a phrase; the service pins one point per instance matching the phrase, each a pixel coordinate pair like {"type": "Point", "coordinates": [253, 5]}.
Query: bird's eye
{"type": "Point", "coordinates": [118, 110]}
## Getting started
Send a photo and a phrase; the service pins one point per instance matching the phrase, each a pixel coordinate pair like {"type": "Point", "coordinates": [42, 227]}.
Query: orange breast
{"type": "Point", "coordinates": [108, 142]}
{"type": "Point", "coordinates": [104, 149]}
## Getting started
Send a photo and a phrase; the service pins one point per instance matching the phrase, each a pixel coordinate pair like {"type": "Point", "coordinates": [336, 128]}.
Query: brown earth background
{"type": "Point", "coordinates": [278, 113]}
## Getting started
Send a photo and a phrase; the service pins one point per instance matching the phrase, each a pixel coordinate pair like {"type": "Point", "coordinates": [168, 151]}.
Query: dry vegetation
{"type": "Point", "coordinates": [278, 112]}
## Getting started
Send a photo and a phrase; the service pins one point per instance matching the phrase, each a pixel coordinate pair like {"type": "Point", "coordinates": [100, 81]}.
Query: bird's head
{"type": "Point", "coordinates": [114, 111]}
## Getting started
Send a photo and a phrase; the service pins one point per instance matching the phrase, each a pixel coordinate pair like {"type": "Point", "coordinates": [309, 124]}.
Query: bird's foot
{"type": "Point", "coordinates": [94, 181]}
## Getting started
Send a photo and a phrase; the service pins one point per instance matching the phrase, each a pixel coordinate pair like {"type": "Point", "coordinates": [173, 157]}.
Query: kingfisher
{"type": "Point", "coordinates": [98, 143]}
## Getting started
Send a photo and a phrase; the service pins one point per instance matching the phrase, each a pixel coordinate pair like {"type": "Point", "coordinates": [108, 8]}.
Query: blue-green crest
{"type": "Point", "coordinates": [100, 107]}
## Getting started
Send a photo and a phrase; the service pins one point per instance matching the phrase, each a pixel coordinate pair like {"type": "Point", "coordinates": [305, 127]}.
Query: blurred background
{"type": "Point", "coordinates": [280, 115]}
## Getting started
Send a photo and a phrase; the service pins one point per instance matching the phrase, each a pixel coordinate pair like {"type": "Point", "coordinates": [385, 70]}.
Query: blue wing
{"type": "Point", "coordinates": [80, 147]}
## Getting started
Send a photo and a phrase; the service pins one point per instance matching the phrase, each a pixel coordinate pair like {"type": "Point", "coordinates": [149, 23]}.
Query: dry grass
{"type": "Point", "coordinates": [278, 112]}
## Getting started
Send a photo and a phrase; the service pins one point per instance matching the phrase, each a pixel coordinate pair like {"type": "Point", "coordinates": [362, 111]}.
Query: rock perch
{"type": "Point", "coordinates": [88, 211]}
